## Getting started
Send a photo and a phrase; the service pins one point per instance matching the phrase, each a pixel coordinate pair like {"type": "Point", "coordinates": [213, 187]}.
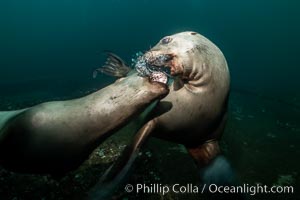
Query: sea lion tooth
{"type": "Point", "coordinates": [159, 77]}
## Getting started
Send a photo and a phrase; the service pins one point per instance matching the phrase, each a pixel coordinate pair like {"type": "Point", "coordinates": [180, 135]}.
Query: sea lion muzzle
{"type": "Point", "coordinates": [158, 60]}
{"type": "Point", "coordinates": [154, 67]}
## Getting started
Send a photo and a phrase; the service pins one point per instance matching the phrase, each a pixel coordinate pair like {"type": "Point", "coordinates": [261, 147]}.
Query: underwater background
{"type": "Point", "coordinates": [49, 49]}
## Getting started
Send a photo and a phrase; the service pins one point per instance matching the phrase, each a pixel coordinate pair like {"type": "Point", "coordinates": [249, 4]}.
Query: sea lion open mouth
{"type": "Point", "coordinates": [156, 67]}
{"type": "Point", "coordinates": [158, 77]}
{"type": "Point", "coordinates": [166, 62]}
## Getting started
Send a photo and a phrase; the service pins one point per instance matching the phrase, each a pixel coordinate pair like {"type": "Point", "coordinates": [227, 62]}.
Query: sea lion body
{"type": "Point", "coordinates": [55, 137]}
{"type": "Point", "coordinates": [199, 92]}
{"type": "Point", "coordinates": [198, 97]}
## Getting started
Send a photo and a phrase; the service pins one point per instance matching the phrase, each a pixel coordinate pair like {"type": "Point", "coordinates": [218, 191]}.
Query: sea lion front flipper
{"type": "Point", "coordinates": [204, 153]}
{"type": "Point", "coordinates": [114, 66]}
{"type": "Point", "coordinates": [115, 174]}
{"type": "Point", "coordinates": [213, 167]}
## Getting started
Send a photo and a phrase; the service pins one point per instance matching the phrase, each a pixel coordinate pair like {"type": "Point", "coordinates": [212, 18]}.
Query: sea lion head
{"type": "Point", "coordinates": [185, 54]}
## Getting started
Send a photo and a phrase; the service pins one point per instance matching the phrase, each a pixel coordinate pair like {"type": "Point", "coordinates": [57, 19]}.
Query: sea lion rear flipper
{"type": "Point", "coordinates": [116, 173]}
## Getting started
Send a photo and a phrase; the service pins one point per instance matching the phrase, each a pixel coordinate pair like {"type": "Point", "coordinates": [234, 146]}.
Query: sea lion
{"type": "Point", "coordinates": [199, 98]}
{"type": "Point", "coordinates": [55, 137]}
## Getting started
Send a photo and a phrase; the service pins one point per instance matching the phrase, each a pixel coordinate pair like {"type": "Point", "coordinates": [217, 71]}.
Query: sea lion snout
{"type": "Point", "coordinates": [160, 88]}
{"type": "Point", "coordinates": [165, 59]}
{"type": "Point", "coordinates": [158, 58]}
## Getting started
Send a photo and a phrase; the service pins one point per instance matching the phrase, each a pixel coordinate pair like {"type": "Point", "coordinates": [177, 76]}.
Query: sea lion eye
{"type": "Point", "coordinates": [166, 40]}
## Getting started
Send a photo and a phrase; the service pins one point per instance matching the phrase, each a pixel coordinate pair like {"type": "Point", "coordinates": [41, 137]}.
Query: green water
{"type": "Point", "coordinates": [48, 50]}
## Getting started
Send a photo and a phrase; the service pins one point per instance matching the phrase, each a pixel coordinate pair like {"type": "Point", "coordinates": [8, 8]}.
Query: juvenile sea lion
{"type": "Point", "coordinates": [56, 137]}
{"type": "Point", "coordinates": [199, 98]}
